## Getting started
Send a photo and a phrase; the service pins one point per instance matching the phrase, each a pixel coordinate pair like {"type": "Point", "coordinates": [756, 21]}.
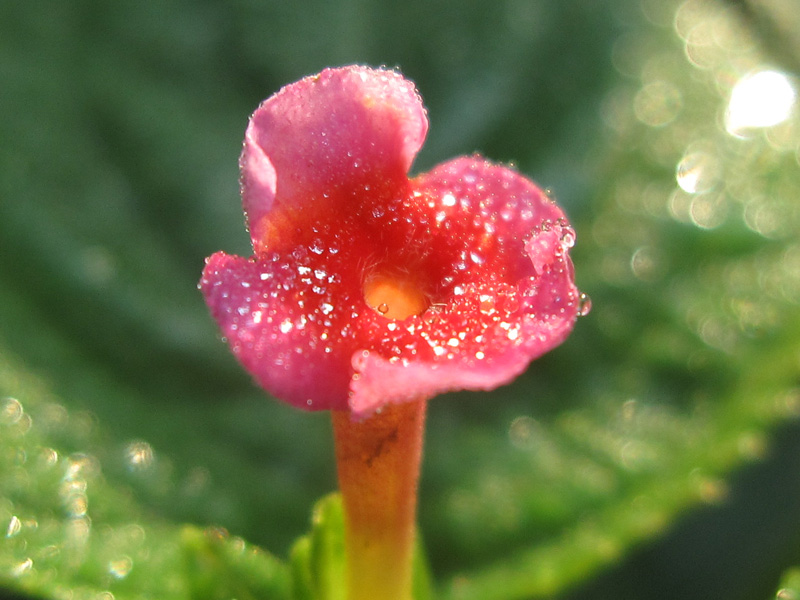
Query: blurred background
{"type": "Point", "coordinates": [656, 454]}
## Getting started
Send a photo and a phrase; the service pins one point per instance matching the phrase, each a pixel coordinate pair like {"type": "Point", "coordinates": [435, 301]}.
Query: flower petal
{"type": "Point", "coordinates": [317, 142]}
{"type": "Point", "coordinates": [366, 287]}
{"type": "Point", "coordinates": [277, 316]}
{"type": "Point", "coordinates": [502, 289]}
{"type": "Point", "coordinates": [378, 381]}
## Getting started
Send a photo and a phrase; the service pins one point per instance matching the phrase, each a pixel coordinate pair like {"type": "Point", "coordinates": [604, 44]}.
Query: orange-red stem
{"type": "Point", "coordinates": [378, 463]}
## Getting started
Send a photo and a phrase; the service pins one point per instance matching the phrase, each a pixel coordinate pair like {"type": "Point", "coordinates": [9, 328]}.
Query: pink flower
{"type": "Point", "coordinates": [368, 287]}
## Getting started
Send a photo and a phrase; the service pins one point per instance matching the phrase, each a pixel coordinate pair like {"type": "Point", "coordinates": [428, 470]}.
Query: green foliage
{"type": "Point", "coordinates": [789, 586]}
{"type": "Point", "coordinates": [317, 559]}
{"type": "Point", "coordinates": [122, 416]}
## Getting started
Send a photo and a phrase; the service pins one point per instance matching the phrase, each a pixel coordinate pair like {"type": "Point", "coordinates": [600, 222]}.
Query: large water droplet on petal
{"type": "Point", "coordinates": [584, 305]}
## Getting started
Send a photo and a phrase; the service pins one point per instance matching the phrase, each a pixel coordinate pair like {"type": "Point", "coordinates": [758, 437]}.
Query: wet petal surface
{"type": "Point", "coordinates": [318, 143]}
{"type": "Point", "coordinates": [368, 287]}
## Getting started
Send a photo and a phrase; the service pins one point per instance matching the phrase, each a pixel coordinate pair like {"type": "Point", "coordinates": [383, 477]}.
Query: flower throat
{"type": "Point", "coordinates": [394, 296]}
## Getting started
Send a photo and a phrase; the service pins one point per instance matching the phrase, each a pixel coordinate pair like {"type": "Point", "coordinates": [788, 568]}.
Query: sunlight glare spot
{"type": "Point", "coordinates": [759, 100]}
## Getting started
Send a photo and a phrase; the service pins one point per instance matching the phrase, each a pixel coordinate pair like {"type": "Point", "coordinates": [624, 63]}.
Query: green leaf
{"type": "Point", "coordinates": [319, 558]}
{"type": "Point", "coordinates": [220, 567]}
{"type": "Point", "coordinates": [789, 588]}
{"type": "Point", "coordinates": [319, 564]}
{"type": "Point", "coordinates": [66, 529]}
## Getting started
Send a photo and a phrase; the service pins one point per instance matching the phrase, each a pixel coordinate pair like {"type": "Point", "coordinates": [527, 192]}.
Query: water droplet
{"type": "Point", "coordinates": [286, 326]}
{"type": "Point", "coordinates": [697, 172]}
{"type": "Point", "coordinates": [480, 355]}
{"type": "Point", "coordinates": [509, 303]}
{"type": "Point", "coordinates": [22, 567]}
{"type": "Point", "coordinates": [10, 411]}
{"type": "Point", "coordinates": [383, 308]}
{"type": "Point", "coordinates": [449, 200]}
{"type": "Point", "coordinates": [80, 466]}
{"type": "Point", "coordinates": [584, 305]}
{"type": "Point", "coordinates": [486, 304]}
{"type": "Point", "coordinates": [140, 455]}
{"type": "Point", "coordinates": [476, 258]}
{"type": "Point", "coordinates": [359, 362]}
{"type": "Point", "coordinates": [567, 237]}
{"type": "Point", "coordinates": [432, 315]}
{"type": "Point", "coordinates": [120, 567]}
{"type": "Point", "coordinates": [76, 502]}
{"type": "Point", "coordinates": [14, 527]}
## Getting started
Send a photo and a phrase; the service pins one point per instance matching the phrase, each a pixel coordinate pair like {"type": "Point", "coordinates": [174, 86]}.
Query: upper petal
{"type": "Point", "coordinates": [318, 143]}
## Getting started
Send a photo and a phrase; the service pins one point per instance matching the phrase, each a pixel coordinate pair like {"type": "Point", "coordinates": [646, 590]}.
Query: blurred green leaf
{"type": "Point", "coordinates": [218, 567]}
{"type": "Point", "coordinates": [789, 586]}
{"type": "Point", "coordinates": [318, 559]}
{"type": "Point", "coordinates": [69, 532]}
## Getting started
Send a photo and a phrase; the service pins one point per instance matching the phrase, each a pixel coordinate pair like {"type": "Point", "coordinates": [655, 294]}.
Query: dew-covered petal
{"type": "Point", "coordinates": [480, 213]}
{"type": "Point", "coordinates": [286, 319]}
{"type": "Point", "coordinates": [478, 340]}
{"type": "Point", "coordinates": [317, 145]}
{"type": "Point", "coordinates": [497, 270]}
{"type": "Point", "coordinates": [378, 381]}
{"type": "Point", "coordinates": [368, 288]}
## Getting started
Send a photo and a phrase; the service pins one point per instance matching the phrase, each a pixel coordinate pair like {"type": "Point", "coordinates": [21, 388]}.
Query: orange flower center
{"type": "Point", "coordinates": [394, 297]}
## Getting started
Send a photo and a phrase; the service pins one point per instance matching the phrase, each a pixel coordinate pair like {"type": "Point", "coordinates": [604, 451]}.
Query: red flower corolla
{"type": "Point", "coordinates": [368, 287]}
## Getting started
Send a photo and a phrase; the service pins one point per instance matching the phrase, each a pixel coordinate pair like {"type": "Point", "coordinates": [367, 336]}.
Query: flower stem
{"type": "Point", "coordinates": [378, 464]}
